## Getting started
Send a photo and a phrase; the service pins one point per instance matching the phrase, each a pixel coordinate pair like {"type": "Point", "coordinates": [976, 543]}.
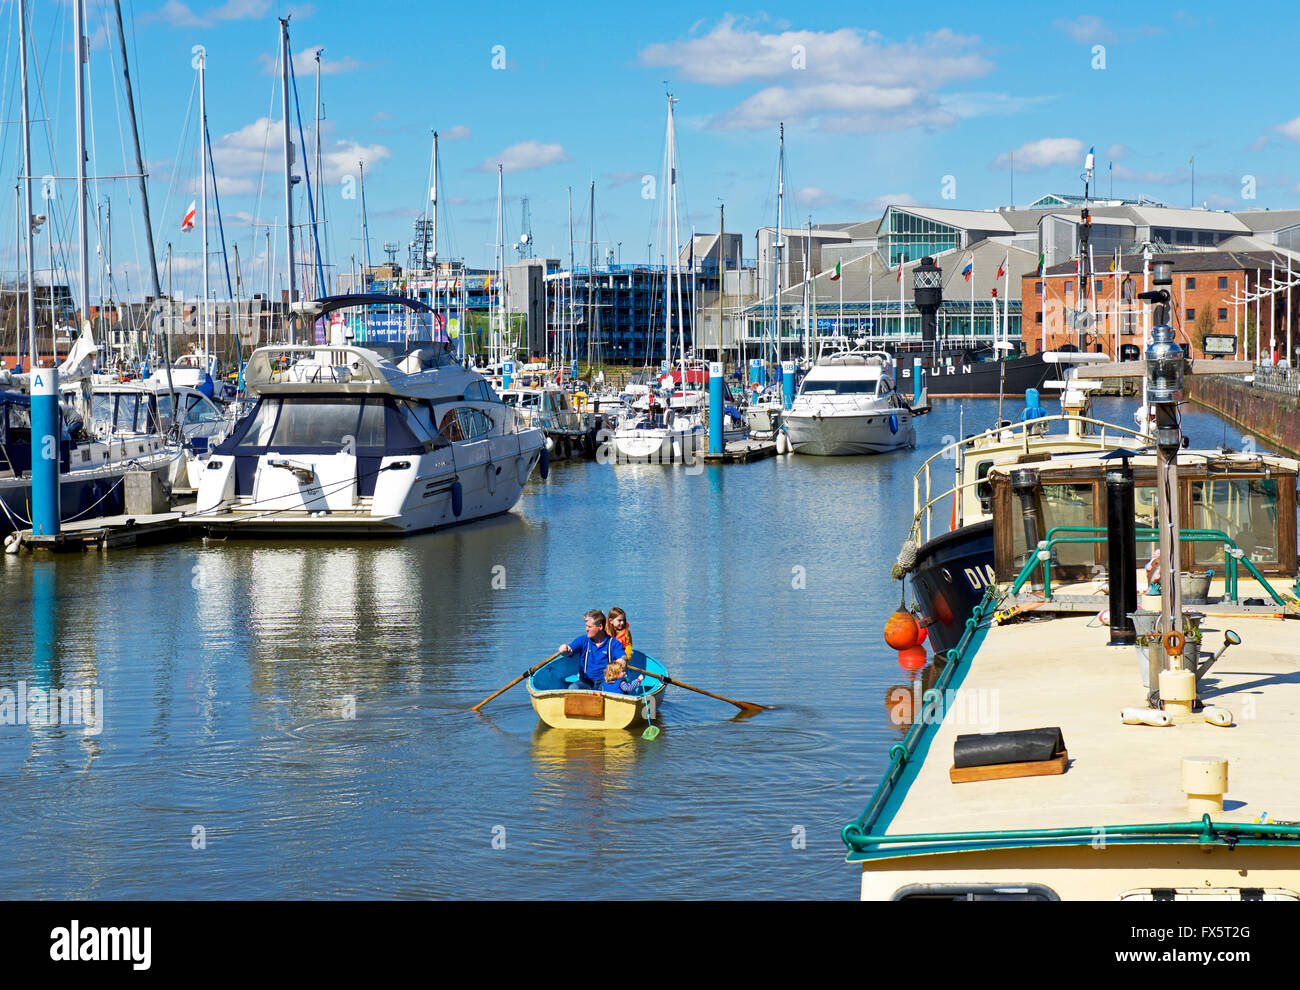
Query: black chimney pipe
{"type": "Point", "coordinates": [1121, 553]}
{"type": "Point", "coordinates": [1024, 483]}
{"type": "Point", "coordinates": [927, 294]}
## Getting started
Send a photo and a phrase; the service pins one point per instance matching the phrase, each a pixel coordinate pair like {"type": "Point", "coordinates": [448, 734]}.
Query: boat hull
{"type": "Point", "coordinates": [955, 377]}
{"type": "Point", "coordinates": [952, 573]}
{"type": "Point", "coordinates": [836, 435]}
{"type": "Point", "coordinates": [548, 691]}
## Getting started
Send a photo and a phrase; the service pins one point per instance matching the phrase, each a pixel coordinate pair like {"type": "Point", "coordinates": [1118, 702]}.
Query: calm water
{"type": "Point", "coordinates": [228, 671]}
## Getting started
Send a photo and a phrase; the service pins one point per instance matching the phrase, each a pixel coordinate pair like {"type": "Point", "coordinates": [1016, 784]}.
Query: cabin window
{"type": "Point", "coordinates": [480, 391]}
{"type": "Point", "coordinates": [20, 423]}
{"type": "Point", "coordinates": [983, 489]}
{"type": "Point", "coordinates": [1061, 505]}
{"type": "Point", "coordinates": [199, 409]}
{"type": "Point", "coordinates": [450, 427]}
{"type": "Point", "coordinates": [474, 424]}
{"type": "Point", "coordinates": [370, 433]}
{"type": "Point", "coordinates": [125, 419]}
{"type": "Point", "coordinates": [165, 408]}
{"type": "Point", "coordinates": [101, 408]}
{"type": "Point", "coordinates": [315, 422]}
{"type": "Point", "coordinates": [852, 386]}
{"type": "Point", "coordinates": [1244, 508]}
{"type": "Point", "coordinates": [975, 892]}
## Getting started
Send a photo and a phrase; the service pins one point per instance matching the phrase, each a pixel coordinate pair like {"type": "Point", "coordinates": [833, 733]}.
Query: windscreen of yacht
{"type": "Point", "coordinates": [839, 386]}
{"type": "Point", "coordinates": [370, 426]}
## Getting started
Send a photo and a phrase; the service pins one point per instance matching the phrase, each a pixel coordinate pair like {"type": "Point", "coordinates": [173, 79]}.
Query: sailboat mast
{"type": "Point", "coordinates": [499, 327]}
{"type": "Point", "coordinates": [568, 349]}
{"type": "Point", "coordinates": [203, 168]}
{"type": "Point", "coordinates": [320, 189]}
{"type": "Point", "coordinates": [591, 264]}
{"type": "Point", "coordinates": [139, 158]}
{"type": "Point", "coordinates": [27, 197]}
{"type": "Point", "coordinates": [676, 237]}
{"type": "Point", "coordinates": [288, 165]}
{"type": "Point", "coordinates": [777, 245]}
{"type": "Point", "coordinates": [83, 234]}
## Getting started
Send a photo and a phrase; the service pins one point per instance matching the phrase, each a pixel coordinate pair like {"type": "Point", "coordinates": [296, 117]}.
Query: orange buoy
{"type": "Point", "coordinates": [902, 630]}
{"type": "Point", "coordinates": [912, 658]}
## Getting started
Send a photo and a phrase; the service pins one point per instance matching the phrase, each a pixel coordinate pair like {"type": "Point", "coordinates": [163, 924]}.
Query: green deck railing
{"type": "Point", "coordinates": [1205, 832]}
{"type": "Point", "coordinates": [901, 753]}
{"type": "Point", "coordinates": [1233, 555]}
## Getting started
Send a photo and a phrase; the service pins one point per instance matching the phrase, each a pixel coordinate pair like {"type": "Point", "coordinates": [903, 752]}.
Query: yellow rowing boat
{"type": "Point", "coordinates": [559, 704]}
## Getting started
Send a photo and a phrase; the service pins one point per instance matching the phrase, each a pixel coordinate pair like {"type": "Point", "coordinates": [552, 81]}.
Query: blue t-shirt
{"type": "Point", "coordinates": [593, 659]}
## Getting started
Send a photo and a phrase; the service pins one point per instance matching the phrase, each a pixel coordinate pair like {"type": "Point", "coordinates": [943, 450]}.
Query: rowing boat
{"type": "Point", "coordinates": [562, 706]}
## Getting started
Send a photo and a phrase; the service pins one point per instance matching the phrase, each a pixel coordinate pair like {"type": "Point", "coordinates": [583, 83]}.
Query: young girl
{"type": "Point", "coordinates": [617, 627]}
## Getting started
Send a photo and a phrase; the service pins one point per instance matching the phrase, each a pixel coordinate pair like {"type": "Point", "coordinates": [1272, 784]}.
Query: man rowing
{"type": "Point", "coordinates": [596, 650]}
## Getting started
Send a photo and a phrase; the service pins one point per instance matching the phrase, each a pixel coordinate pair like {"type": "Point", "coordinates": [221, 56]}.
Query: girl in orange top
{"type": "Point", "coordinates": [617, 627]}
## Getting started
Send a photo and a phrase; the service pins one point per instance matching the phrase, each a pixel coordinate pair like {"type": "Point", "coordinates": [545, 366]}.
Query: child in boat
{"type": "Point", "coordinates": [615, 674]}
{"type": "Point", "coordinates": [595, 650]}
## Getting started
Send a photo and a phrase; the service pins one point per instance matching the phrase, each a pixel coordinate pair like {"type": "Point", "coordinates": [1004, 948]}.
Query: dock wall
{"type": "Point", "coordinates": [1272, 415]}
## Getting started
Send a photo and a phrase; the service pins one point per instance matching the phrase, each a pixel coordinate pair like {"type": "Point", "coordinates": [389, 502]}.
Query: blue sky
{"type": "Point", "coordinates": [879, 104]}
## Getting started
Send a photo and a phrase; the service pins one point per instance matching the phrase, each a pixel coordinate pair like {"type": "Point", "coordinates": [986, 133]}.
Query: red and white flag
{"type": "Point", "coordinates": [1002, 268]}
{"type": "Point", "coordinates": [188, 222]}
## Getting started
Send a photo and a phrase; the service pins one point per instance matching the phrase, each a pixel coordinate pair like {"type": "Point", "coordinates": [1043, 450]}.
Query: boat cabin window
{"type": "Point", "coordinates": [165, 408]}
{"type": "Point", "coordinates": [558, 402]}
{"type": "Point", "coordinates": [200, 409]}
{"type": "Point", "coordinates": [480, 391]}
{"type": "Point", "coordinates": [373, 426]}
{"type": "Point", "coordinates": [1244, 508]}
{"type": "Point", "coordinates": [464, 423]}
{"type": "Point", "coordinates": [983, 489]}
{"type": "Point", "coordinates": [839, 386]}
{"type": "Point", "coordinates": [1060, 505]}
{"type": "Point", "coordinates": [20, 423]}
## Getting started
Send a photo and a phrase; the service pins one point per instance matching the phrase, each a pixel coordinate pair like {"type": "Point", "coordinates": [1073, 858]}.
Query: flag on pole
{"type": "Point", "coordinates": [970, 267]}
{"type": "Point", "coordinates": [835, 275]}
{"type": "Point", "coordinates": [1002, 268]}
{"type": "Point", "coordinates": [188, 222]}
{"type": "Point", "coordinates": [901, 262]}
{"type": "Point", "coordinates": [1112, 264]}
{"type": "Point", "coordinates": [1042, 260]}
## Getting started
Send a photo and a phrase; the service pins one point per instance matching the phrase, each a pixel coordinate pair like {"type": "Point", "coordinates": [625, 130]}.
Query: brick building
{"type": "Point", "coordinates": [1204, 282]}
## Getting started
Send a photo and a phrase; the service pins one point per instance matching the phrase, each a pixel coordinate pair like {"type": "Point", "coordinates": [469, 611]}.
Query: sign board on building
{"type": "Point", "coordinates": [1219, 344]}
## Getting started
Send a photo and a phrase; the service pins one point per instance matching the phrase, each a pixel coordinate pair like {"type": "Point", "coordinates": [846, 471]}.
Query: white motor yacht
{"type": "Point", "coordinates": [848, 404]}
{"type": "Point", "coordinates": [382, 439]}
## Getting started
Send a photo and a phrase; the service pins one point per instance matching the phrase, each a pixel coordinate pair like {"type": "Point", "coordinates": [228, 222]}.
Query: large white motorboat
{"type": "Point", "coordinates": [382, 439]}
{"type": "Point", "coordinates": [848, 404]}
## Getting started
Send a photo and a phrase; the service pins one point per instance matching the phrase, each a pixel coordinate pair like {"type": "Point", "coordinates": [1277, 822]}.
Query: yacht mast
{"type": "Point", "coordinates": [776, 247]}
{"type": "Point", "coordinates": [139, 159]}
{"type": "Point", "coordinates": [288, 168]}
{"type": "Point", "coordinates": [676, 236]}
{"type": "Point", "coordinates": [27, 196]}
{"type": "Point", "coordinates": [83, 243]}
{"type": "Point", "coordinates": [567, 349]}
{"type": "Point", "coordinates": [591, 265]}
{"type": "Point", "coordinates": [202, 56]}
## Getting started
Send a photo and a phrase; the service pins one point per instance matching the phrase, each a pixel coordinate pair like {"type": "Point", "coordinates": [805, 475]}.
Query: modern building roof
{"type": "Point", "coordinates": [1190, 261]}
{"type": "Point", "coordinates": [1268, 220]}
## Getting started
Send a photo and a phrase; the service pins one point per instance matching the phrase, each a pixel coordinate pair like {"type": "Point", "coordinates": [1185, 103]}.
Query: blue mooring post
{"type": "Point", "coordinates": [45, 452]}
{"type": "Point", "coordinates": [715, 407]}
{"type": "Point", "coordinates": [508, 373]}
{"type": "Point", "coordinates": [787, 383]}
{"type": "Point", "coordinates": [917, 372]}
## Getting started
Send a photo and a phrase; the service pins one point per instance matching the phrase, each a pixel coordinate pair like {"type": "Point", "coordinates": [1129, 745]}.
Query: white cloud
{"type": "Point", "coordinates": [245, 153]}
{"type": "Point", "coordinates": [458, 133]}
{"type": "Point", "coordinates": [1043, 153]}
{"type": "Point", "coordinates": [1086, 29]}
{"type": "Point", "coordinates": [1290, 129]}
{"type": "Point", "coordinates": [878, 204]}
{"type": "Point", "coordinates": [178, 14]}
{"type": "Point", "coordinates": [847, 80]}
{"type": "Point", "coordinates": [1116, 152]}
{"type": "Point", "coordinates": [814, 197]}
{"type": "Point", "coordinates": [525, 155]}
{"type": "Point", "coordinates": [304, 63]}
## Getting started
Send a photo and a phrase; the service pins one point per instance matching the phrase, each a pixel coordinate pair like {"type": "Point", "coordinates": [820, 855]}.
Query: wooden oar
{"type": "Point", "coordinates": [745, 706]}
{"type": "Point", "coordinates": [526, 673]}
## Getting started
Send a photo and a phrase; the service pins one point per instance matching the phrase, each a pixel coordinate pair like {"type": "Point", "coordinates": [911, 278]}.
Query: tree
{"type": "Point", "coordinates": [1203, 327]}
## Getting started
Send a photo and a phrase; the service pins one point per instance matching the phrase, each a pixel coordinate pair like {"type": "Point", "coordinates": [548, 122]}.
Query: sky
{"type": "Point", "coordinates": [950, 105]}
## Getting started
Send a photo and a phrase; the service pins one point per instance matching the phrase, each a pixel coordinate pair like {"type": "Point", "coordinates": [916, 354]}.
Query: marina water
{"type": "Point", "coordinates": [290, 720]}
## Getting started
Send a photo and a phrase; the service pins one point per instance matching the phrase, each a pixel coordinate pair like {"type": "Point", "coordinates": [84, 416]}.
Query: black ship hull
{"type": "Point", "coordinates": [960, 376]}
{"type": "Point", "coordinates": [952, 573]}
